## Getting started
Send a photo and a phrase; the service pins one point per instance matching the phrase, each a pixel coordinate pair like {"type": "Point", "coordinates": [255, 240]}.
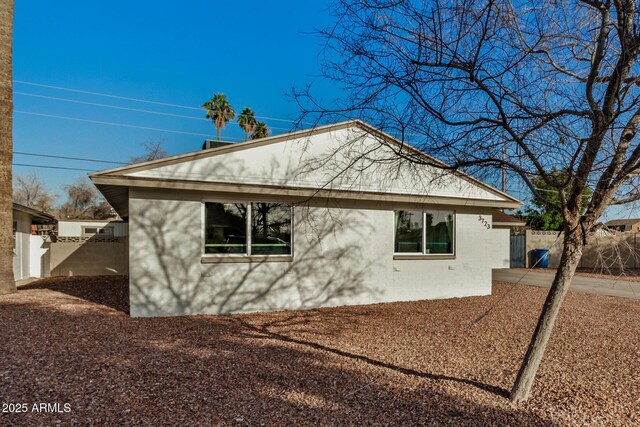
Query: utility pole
{"type": "Point", "coordinates": [504, 169]}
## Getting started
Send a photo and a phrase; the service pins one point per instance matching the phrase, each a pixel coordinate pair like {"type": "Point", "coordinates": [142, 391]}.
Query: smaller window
{"type": "Point", "coordinates": [429, 232]}
{"type": "Point", "coordinates": [92, 231]}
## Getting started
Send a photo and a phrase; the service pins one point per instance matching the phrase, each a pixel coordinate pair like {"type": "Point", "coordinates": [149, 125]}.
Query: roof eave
{"type": "Point", "coordinates": [301, 193]}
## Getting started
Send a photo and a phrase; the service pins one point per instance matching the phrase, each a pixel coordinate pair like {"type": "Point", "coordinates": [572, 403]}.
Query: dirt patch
{"type": "Point", "coordinates": [414, 363]}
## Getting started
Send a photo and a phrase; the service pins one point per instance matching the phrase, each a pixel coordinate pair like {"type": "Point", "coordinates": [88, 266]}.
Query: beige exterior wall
{"type": "Point", "coordinates": [604, 251]}
{"type": "Point", "coordinates": [89, 258]}
{"type": "Point", "coordinates": [342, 255]}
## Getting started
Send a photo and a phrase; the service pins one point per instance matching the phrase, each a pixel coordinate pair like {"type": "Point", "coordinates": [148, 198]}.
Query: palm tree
{"type": "Point", "coordinates": [247, 121]}
{"type": "Point", "coordinates": [219, 111]}
{"type": "Point", "coordinates": [7, 282]}
{"type": "Point", "coordinates": [261, 131]}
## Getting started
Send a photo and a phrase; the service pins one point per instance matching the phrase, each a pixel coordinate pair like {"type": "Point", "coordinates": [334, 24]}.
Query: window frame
{"type": "Point", "coordinates": [84, 233]}
{"type": "Point", "coordinates": [423, 254]}
{"type": "Point", "coordinates": [247, 256]}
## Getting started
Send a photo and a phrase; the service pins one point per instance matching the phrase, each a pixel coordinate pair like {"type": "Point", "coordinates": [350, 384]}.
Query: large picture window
{"type": "Point", "coordinates": [247, 228]}
{"type": "Point", "coordinates": [424, 232]}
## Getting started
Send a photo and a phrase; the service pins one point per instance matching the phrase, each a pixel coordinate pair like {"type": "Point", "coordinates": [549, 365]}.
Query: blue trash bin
{"type": "Point", "coordinates": [542, 258]}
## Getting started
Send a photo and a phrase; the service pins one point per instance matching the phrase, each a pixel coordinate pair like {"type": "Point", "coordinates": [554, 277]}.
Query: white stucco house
{"type": "Point", "coordinates": [30, 254]}
{"type": "Point", "coordinates": [321, 217]}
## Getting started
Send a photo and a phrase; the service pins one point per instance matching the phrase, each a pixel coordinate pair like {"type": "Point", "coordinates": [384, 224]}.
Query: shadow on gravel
{"type": "Point", "coordinates": [215, 370]}
{"type": "Point", "coordinates": [264, 330]}
{"type": "Point", "coordinates": [112, 291]}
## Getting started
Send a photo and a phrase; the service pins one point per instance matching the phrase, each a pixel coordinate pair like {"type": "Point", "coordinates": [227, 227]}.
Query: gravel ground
{"type": "Point", "coordinates": [416, 363]}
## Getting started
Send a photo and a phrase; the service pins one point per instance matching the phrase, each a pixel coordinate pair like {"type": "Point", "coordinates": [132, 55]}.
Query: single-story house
{"type": "Point", "coordinates": [30, 254]}
{"type": "Point", "coordinates": [631, 225]}
{"type": "Point", "coordinates": [92, 228]}
{"type": "Point", "coordinates": [320, 217]}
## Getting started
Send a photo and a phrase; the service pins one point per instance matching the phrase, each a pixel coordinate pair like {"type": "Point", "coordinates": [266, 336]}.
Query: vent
{"type": "Point", "coordinates": [210, 143]}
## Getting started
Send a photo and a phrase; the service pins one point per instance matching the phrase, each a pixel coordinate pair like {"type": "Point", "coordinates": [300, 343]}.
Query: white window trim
{"type": "Point", "coordinates": [98, 228]}
{"type": "Point", "coordinates": [423, 255]}
{"type": "Point", "coordinates": [211, 258]}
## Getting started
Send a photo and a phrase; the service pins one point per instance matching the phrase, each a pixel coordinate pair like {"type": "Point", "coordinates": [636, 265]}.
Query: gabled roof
{"type": "Point", "coordinates": [36, 214]}
{"type": "Point", "coordinates": [171, 173]}
{"type": "Point", "coordinates": [500, 218]}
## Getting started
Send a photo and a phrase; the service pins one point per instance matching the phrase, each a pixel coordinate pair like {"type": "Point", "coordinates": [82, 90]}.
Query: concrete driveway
{"type": "Point", "coordinates": [591, 285]}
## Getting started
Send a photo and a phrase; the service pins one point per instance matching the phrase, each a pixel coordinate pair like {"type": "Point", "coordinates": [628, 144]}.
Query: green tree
{"type": "Point", "coordinates": [219, 111]}
{"type": "Point", "coordinates": [247, 121]}
{"type": "Point", "coordinates": [541, 216]}
{"type": "Point", "coordinates": [261, 131]}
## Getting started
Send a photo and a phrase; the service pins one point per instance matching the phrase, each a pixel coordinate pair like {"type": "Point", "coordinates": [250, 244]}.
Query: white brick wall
{"type": "Point", "coordinates": [341, 256]}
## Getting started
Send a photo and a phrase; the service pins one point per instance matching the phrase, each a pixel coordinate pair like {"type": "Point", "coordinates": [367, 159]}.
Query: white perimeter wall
{"type": "Point", "coordinates": [502, 247]}
{"type": "Point", "coordinates": [21, 249]}
{"type": "Point", "coordinates": [341, 256]}
{"type": "Point", "coordinates": [39, 258]}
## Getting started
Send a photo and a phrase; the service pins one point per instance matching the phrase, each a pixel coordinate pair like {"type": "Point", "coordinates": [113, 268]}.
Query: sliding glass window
{"type": "Point", "coordinates": [247, 228]}
{"type": "Point", "coordinates": [424, 232]}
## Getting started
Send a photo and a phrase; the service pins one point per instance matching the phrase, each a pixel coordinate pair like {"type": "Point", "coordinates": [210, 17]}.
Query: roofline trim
{"type": "Point", "coordinates": [296, 192]}
{"type": "Point", "coordinates": [34, 212]}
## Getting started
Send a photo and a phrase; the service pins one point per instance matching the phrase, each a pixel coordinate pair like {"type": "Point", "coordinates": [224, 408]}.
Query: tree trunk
{"type": "Point", "coordinates": [7, 282]}
{"type": "Point", "coordinates": [571, 253]}
{"type": "Point", "coordinates": [218, 132]}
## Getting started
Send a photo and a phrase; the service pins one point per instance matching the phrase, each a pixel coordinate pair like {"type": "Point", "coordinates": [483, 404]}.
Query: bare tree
{"type": "Point", "coordinates": [553, 85]}
{"type": "Point", "coordinates": [153, 149]}
{"type": "Point", "coordinates": [84, 202]}
{"type": "Point", "coordinates": [7, 283]}
{"type": "Point", "coordinates": [29, 190]}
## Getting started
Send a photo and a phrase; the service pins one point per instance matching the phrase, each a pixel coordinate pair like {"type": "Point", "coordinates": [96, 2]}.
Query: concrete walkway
{"type": "Point", "coordinates": [591, 285]}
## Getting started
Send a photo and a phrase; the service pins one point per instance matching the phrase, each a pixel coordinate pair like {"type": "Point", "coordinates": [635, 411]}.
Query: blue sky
{"type": "Point", "coordinates": [152, 51]}
{"type": "Point", "coordinates": [156, 51]}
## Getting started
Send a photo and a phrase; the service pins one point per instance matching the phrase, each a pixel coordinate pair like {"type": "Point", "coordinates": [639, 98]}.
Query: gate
{"type": "Point", "coordinates": [517, 257]}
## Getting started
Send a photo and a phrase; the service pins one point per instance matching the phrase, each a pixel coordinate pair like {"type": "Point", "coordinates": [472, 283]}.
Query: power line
{"type": "Point", "coordinates": [117, 107]}
{"type": "Point", "coordinates": [96, 104]}
{"type": "Point", "coordinates": [117, 124]}
{"type": "Point", "coordinates": [166, 104]}
{"type": "Point", "coordinates": [52, 167]}
{"type": "Point", "coordinates": [68, 158]}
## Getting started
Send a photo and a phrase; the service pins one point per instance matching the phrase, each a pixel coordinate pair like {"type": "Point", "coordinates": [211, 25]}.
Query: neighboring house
{"type": "Point", "coordinates": [92, 228]}
{"type": "Point", "coordinates": [312, 218]}
{"type": "Point", "coordinates": [632, 225]}
{"type": "Point", "coordinates": [505, 221]}
{"type": "Point", "coordinates": [88, 247]}
{"type": "Point", "coordinates": [511, 247]}
{"type": "Point", "coordinates": [30, 255]}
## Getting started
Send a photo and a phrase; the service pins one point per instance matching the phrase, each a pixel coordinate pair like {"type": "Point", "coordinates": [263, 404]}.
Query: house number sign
{"type": "Point", "coordinates": [484, 221]}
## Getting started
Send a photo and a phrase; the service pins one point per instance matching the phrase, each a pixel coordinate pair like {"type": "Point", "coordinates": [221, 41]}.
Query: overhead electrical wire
{"type": "Point", "coordinates": [53, 167]}
{"type": "Point", "coordinates": [118, 107]}
{"type": "Point", "coordinates": [117, 124]}
{"type": "Point", "coordinates": [146, 101]}
{"type": "Point", "coordinates": [22, 153]}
